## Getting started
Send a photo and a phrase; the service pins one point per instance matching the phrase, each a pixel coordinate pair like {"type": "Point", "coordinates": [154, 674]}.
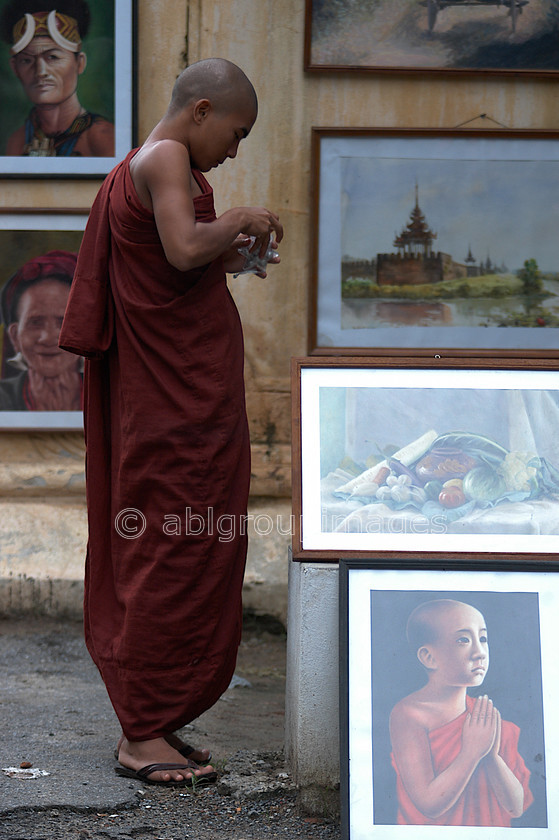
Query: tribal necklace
{"type": "Point", "coordinates": [38, 144]}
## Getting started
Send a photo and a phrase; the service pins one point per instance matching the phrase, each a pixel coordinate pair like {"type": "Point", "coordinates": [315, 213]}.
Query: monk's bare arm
{"type": "Point", "coordinates": [434, 795]}
{"type": "Point", "coordinates": [164, 171]}
{"type": "Point", "coordinates": [506, 786]}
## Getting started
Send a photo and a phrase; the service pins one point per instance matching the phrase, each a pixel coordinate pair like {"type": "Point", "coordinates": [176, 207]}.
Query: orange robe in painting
{"type": "Point", "coordinates": [167, 441]}
{"type": "Point", "coordinates": [478, 805]}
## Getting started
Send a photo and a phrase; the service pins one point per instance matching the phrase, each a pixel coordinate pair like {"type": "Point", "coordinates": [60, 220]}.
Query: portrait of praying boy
{"type": "Point", "coordinates": [456, 759]}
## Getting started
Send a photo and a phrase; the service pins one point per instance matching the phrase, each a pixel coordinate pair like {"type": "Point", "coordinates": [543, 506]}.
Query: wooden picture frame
{"type": "Point", "coordinates": [505, 37]}
{"type": "Point", "coordinates": [434, 239]}
{"type": "Point", "coordinates": [53, 236]}
{"type": "Point", "coordinates": [106, 87]}
{"type": "Point", "coordinates": [410, 454]}
{"type": "Point", "coordinates": [379, 667]}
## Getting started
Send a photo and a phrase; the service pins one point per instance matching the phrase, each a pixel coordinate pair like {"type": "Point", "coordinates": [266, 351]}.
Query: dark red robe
{"type": "Point", "coordinates": [167, 440]}
{"type": "Point", "coordinates": [477, 805]}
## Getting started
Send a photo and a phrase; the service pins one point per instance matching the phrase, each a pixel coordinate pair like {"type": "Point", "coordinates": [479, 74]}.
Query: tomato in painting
{"type": "Point", "coordinates": [451, 497]}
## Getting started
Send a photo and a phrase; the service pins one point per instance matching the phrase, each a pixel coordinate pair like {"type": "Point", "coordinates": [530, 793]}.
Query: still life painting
{"type": "Point", "coordinates": [454, 460]}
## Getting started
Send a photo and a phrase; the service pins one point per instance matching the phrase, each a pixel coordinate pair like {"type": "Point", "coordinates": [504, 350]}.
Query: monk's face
{"type": "Point", "coordinates": [35, 335]}
{"type": "Point", "coordinates": [48, 73]}
{"type": "Point", "coordinates": [460, 654]}
{"type": "Point", "coordinates": [219, 136]}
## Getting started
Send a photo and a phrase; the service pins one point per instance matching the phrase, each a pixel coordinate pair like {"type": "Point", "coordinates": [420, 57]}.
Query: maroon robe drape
{"type": "Point", "coordinates": [167, 441]}
{"type": "Point", "coordinates": [477, 805]}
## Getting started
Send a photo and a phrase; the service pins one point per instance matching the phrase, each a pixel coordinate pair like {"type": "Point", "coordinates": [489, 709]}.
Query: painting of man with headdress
{"type": "Point", "coordinates": [47, 55]}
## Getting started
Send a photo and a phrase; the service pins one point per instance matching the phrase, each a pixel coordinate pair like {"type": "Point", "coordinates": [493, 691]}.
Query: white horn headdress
{"type": "Point", "coordinates": [57, 36]}
{"type": "Point", "coordinates": [53, 31]}
{"type": "Point", "coordinates": [27, 36]}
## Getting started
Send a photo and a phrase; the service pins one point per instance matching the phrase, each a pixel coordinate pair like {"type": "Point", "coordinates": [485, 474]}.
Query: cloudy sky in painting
{"type": "Point", "coordinates": [507, 210]}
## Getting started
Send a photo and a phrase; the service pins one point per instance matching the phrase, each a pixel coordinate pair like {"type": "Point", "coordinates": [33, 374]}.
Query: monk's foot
{"type": "Point", "coordinates": [134, 755]}
{"type": "Point", "coordinates": [199, 756]}
{"type": "Point", "coordinates": [186, 751]}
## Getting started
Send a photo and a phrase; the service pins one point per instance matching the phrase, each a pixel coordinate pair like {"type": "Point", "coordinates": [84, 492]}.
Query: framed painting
{"type": "Point", "coordinates": [439, 725]}
{"type": "Point", "coordinates": [40, 385]}
{"type": "Point", "coordinates": [449, 455]}
{"type": "Point", "coordinates": [67, 87]}
{"type": "Point", "coordinates": [433, 36]}
{"type": "Point", "coordinates": [425, 238]}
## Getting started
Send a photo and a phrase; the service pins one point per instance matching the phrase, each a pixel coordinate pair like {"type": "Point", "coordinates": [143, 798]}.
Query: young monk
{"type": "Point", "coordinates": [167, 446]}
{"type": "Point", "coordinates": [456, 760]}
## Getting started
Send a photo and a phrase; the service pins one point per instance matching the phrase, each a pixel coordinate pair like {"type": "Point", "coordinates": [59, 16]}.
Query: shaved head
{"type": "Point", "coordinates": [216, 79]}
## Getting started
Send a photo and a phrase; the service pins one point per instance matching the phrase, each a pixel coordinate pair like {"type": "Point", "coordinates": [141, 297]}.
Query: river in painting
{"type": "Point", "coordinates": [364, 313]}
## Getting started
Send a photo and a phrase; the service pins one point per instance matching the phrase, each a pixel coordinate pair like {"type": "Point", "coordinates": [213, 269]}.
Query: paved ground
{"type": "Point", "coordinates": [56, 717]}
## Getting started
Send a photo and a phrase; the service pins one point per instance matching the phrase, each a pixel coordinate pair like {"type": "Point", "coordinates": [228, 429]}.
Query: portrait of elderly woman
{"type": "Point", "coordinates": [33, 302]}
{"type": "Point", "coordinates": [45, 39]}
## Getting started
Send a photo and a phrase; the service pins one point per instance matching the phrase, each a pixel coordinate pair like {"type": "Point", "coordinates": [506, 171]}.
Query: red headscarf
{"type": "Point", "coordinates": [59, 265]}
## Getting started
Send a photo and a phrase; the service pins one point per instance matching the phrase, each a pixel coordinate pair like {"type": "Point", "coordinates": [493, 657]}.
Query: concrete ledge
{"type": "Point", "coordinates": [43, 538]}
{"type": "Point", "coordinates": [269, 537]}
{"type": "Point", "coordinates": [312, 689]}
{"type": "Point", "coordinates": [22, 595]}
{"type": "Point", "coordinates": [38, 464]}
{"type": "Point", "coordinates": [43, 525]}
{"type": "Point", "coordinates": [42, 552]}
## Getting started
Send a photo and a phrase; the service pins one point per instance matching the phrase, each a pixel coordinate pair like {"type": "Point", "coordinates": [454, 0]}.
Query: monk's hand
{"type": "Point", "coordinates": [232, 260]}
{"type": "Point", "coordinates": [480, 729]}
{"type": "Point", "coordinates": [261, 222]}
{"type": "Point", "coordinates": [264, 246]}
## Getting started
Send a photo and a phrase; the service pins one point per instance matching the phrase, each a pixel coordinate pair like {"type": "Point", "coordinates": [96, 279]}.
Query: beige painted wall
{"type": "Point", "coordinates": [41, 480]}
{"type": "Point", "coordinates": [265, 37]}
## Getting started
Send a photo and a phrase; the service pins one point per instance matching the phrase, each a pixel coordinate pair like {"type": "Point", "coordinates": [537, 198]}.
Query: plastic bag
{"type": "Point", "coordinates": [253, 261]}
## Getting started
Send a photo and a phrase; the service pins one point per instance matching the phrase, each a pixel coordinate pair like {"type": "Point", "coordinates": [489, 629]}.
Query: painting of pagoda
{"type": "Point", "coordinates": [436, 246]}
{"type": "Point", "coordinates": [416, 262]}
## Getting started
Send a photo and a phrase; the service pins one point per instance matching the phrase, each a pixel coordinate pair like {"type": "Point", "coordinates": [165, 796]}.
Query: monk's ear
{"type": "Point", "coordinates": [201, 110]}
{"type": "Point", "coordinates": [425, 656]}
